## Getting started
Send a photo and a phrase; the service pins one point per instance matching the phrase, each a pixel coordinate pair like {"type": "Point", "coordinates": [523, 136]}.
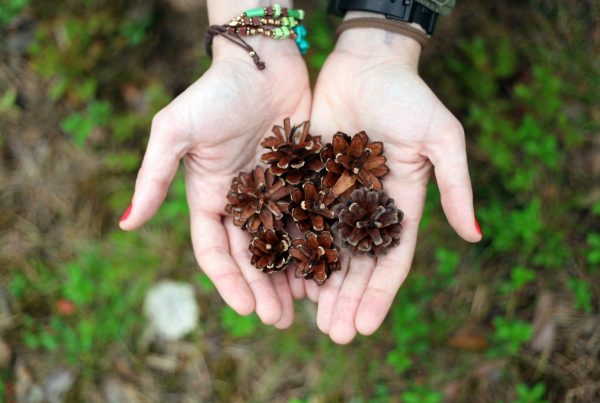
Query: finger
{"type": "Point", "coordinates": [392, 269]}
{"type": "Point", "coordinates": [343, 328]}
{"type": "Point", "coordinates": [282, 288]}
{"type": "Point", "coordinates": [452, 174]}
{"type": "Point", "coordinates": [328, 294]}
{"type": "Point", "coordinates": [156, 173]}
{"type": "Point", "coordinates": [296, 284]}
{"type": "Point", "coordinates": [312, 290]}
{"type": "Point", "coordinates": [211, 248]}
{"type": "Point", "coordinates": [268, 307]}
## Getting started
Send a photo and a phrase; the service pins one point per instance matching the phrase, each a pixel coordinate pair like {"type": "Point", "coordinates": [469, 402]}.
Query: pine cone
{"type": "Point", "coordinates": [310, 207]}
{"type": "Point", "coordinates": [295, 153]}
{"type": "Point", "coordinates": [369, 222]}
{"type": "Point", "coordinates": [270, 250]}
{"type": "Point", "coordinates": [316, 256]}
{"type": "Point", "coordinates": [351, 160]}
{"type": "Point", "coordinates": [258, 199]}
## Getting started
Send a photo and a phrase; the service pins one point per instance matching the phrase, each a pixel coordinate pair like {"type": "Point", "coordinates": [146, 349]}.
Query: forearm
{"type": "Point", "coordinates": [372, 42]}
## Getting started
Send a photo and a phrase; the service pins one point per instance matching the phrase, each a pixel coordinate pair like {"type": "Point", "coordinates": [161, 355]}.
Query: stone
{"type": "Point", "coordinates": [171, 309]}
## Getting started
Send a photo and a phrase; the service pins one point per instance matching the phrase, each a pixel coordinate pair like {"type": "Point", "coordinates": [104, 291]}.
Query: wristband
{"type": "Point", "coordinates": [273, 22]}
{"type": "Point", "coordinates": [394, 26]}
{"type": "Point", "coordinates": [402, 10]}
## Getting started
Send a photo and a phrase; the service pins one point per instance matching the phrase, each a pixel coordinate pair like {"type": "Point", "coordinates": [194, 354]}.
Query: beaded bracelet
{"type": "Point", "coordinates": [273, 22]}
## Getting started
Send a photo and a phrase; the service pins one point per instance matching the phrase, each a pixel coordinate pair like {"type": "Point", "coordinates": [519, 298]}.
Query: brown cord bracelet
{"type": "Point", "coordinates": [397, 27]}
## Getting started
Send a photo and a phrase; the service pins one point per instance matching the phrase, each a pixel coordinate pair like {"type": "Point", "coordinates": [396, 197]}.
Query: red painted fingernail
{"type": "Point", "coordinates": [126, 213]}
{"type": "Point", "coordinates": [477, 227]}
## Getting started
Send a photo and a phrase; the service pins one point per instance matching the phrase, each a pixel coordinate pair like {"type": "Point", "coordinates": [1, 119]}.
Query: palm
{"type": "Point", "coordinates": [216, 125]}
{"type": "Point", "coordinates": [388, 100]}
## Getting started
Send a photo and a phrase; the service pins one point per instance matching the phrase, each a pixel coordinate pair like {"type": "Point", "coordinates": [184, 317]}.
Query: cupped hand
{"type": "Point", "coordinates": [370, 82]}
{"type": "Point", "coordinates": [216, 126]}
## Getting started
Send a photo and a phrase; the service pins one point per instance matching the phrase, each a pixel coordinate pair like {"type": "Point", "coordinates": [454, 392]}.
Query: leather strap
{"type": "Point", "coordinates": [398, 27]}
{"type": "Point", "coordinates": [402, 10]}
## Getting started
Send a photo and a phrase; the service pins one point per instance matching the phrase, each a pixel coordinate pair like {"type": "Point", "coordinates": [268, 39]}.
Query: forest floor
{"type": "Point", "coordinates": [514, 318]}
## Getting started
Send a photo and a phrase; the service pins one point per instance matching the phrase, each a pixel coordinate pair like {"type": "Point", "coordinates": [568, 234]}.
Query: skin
{"type": "Point", "coordinates": [371, 82]}
{"type": "Point", "coordinates": [216, 126]}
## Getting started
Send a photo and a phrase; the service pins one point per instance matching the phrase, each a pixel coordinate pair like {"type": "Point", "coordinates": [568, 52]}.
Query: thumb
{"type": "Point", "coordinates": [156, 173]}
{"type": "Point", "coordinates": [449, 158]}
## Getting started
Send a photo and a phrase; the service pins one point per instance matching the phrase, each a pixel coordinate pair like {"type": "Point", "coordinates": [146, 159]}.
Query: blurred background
{"type": "Point", "coordinates": [511, 319]}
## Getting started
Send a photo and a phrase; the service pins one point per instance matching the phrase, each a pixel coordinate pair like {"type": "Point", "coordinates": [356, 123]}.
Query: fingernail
{"type": "Point", "coordinates": [126, 213]}
{"type": "Point", "coordinates": [477, 227]}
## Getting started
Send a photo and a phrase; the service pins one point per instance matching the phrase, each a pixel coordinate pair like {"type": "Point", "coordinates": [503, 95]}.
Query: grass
{"type": "Point", "coordinates": [467, 324]}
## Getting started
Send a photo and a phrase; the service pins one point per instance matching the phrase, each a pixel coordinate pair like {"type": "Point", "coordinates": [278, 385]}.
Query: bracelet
{"type": "Point", "coordinates": [398, 27]}
{"type": "Point", "coordinates": [272, 22]}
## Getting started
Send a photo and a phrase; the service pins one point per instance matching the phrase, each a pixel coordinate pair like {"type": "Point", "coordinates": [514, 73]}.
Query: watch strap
{"type": "Point", "coordinates": [403, 10]}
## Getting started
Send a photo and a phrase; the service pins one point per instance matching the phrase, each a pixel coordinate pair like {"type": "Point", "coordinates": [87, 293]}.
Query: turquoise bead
{"type": "Point", "coordinates": [303, 45]}
{"type": "Point", "coordinates": [300, 31]}
{"type": "Point", "coordinates": [255, 12]}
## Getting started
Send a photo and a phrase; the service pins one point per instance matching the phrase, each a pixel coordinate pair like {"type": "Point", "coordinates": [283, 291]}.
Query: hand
{"type": "Point", "coordinates": [370, 82]}
{"type": "Point", "coordinates": [216, 126]}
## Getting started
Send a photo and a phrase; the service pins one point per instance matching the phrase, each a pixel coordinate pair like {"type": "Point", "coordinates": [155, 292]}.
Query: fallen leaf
{"type": "Point", "coordinates": [469, 337]}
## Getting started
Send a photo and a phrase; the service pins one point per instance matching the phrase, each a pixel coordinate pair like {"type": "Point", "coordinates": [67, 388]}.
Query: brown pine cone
{"type": "Point", "coordinates": [295, 153]}
{"type": "Point", "coordinates": [316, 256]}
{"type": "Point", "coordinates": [270, 250]}
{"type": "Point", "coordinates": [368, 223]}
{"type": "Point", "coordinates": [258, 199]}
{"type": "Point", "coordinates": [311, 207]}
{"type": "Point", "coordinates": [353, 161]}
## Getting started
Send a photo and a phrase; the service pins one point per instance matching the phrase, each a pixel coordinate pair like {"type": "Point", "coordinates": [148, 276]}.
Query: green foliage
{"type": "Point", "coordinates": [8, 100]}
{"type": "Point", "coordinates": [519, 277]}
{"type": "Point", "coordinates": [238, 326]}
{"type": "Point", "coordinates": [105, 283]}
{"type": "Point", "coordinates": [593, 254]}
{"type": "Point", "coordinates": [534, 394]}
{"type": "Point", "coordinates": [447, 262]}
{"type": "Point", "coordinates": [80, 125]}
{"type": "Point", "coordinates": [419, 394]}
{"type": "Point", "coordinates": [582, 290]}
{"type": "Point", "coordinates": [10, 9]}
{"type": "Point", "coordinates": [510, 335]}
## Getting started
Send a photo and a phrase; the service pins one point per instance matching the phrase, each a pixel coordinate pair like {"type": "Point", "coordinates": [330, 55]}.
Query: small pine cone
{"type": "Point", "coordinates": [294, 153]}
{"type": "Point", "coordinates": [353, 161]}
{"type": "Point", "coordinates": [316, 256]}
{"type": "Point", "coordinates": [270, 250]}
{"type": "Point", "coordinates": [368, 223]}
{"type": "Point", "coordinates": [258, 199]}
{"type": "Point", "coordinates": [311, 207]}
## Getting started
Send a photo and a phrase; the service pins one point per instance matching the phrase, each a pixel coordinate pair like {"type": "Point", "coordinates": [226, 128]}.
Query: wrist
{"type": "Point", "coordinates": [222, 11]}
{"type": "Point", "coordinates": [378, 43]}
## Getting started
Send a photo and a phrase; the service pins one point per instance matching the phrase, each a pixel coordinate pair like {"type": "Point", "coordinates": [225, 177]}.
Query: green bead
{"type": "Point", "coordinates": [277, 33]}
{"type": "Point", "coordinates": [255, 12]}
{"type": "Point", "coordinates": [292, 21]}
{"type": "Point", "coordinates": [285, 21]}
{"type": "Point", "coordinates": [286, 32]}
{"type": "Point", "coordinates": [299, 14]}
{"type": "Point", "coordinates": [276, 10]}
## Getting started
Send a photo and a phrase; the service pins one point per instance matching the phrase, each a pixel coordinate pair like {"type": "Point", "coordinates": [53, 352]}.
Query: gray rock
{"type": "Point", "coordinates": [57, 384]}
{"type": "Point", "coordinates": [171, 309]}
